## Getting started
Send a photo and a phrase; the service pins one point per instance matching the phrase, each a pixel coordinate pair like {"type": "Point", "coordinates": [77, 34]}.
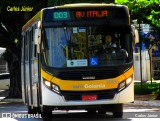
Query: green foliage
{"type": "Point", "coordinates": [144, 10]}
{"type": "Point", "coordinates": [155, 18]}
{"type": "Point", "coordinates": [13, 22]}
{"type": "Point", "coordinates": [62, 2]}
{"type": "Point", "coordinates": [147, 88]}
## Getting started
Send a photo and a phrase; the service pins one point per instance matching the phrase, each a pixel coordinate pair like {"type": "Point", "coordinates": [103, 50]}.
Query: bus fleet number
{"type": "Point", "coordinates": [60, 15]}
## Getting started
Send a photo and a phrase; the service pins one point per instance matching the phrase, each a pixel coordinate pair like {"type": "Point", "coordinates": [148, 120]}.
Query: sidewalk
{"type": "Point", "coordinates": [138, 81]}
{"type": "Point", "coordinates": [148, 103]}
{"type": "Point", "coordinates": [139, 99]}
{"type": "Point", "coordinates": [143, 100]}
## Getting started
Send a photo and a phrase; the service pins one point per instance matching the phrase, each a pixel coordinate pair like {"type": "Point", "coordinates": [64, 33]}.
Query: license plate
{"type": "Point", "coordinates": [89, 97]}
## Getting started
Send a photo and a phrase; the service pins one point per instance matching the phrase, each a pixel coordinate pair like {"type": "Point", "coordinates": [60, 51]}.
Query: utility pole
{"type": "Point", "coordinates": [140, 42]}
{"type": "Point", "coordinates": [150, 58]}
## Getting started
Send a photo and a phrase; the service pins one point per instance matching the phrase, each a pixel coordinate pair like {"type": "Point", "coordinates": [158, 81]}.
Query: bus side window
{"type": "Point", "coordinates": [35, 46]}
{"type": "Point", "coordinates": [32, 43]}
{"type": "Point", "coordinates": [22, 49]}
{"type": "Point", "coordinates": [26, 46]}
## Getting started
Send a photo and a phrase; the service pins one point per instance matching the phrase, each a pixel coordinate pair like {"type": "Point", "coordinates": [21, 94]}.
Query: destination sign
{"type": "Point", "coordinates": [91, 14]}
{"type": "Point", "coordinates": [84, 14]}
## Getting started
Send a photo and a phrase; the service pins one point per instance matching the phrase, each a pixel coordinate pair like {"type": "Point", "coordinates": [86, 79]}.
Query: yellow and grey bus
{"type": "Point", "coordinates": [68, 64]}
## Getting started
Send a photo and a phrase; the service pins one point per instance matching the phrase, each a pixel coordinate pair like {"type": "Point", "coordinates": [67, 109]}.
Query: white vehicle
{"type": "Point", "coordinates": [4, 81]}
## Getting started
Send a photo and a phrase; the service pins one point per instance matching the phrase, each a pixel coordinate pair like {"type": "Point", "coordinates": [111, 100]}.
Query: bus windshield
{"type": "Point", "coordinates": [65, 47]}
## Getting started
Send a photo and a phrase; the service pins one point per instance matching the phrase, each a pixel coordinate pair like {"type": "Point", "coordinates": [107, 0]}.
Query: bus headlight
{"type": "Point", "coordinates": [125, 83]}
{"type": "Point", "coordinates": [51, 86]}
{"type": "Point", "coordinates": [129, 80]}
{"type": "Point", "coordinates": [47, 83]}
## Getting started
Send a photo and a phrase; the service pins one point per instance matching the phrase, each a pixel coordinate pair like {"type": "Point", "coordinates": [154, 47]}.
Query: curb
{"type": "Point", "coordinates": [12, 100]}
{"type": "Point", "coordinates": [149, 103]}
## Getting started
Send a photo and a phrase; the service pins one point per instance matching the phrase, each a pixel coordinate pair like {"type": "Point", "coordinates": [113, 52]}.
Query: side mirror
{"type": "Point", "coordinates": [136, 36]}
{"type": "Point", "coordinates": [37, 36]}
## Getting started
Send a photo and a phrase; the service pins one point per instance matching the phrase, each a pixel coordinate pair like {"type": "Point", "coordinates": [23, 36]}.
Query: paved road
{"type": "Point", "coordinates": [132, 112]}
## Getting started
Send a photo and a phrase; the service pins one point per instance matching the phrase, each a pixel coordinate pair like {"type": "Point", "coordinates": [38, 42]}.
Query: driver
{"type": "Point", "coordinates": [108, 42]}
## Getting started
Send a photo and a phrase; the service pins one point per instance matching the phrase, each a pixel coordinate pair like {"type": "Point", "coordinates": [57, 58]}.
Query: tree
{"type": "Point", "coordinates": [144, 11]}
{"type": "Point", "coordinates": [58, 2]}
{"type": "Point", "coordinates": [11, 22]}
{"type": "Point", "coordinates": [9, 32]}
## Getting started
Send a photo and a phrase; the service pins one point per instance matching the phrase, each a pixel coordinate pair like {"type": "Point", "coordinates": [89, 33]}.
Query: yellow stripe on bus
{"type": "Point", "coordinates": [129, 73]}
{"type": "Point", "coordinates": [45, 75]}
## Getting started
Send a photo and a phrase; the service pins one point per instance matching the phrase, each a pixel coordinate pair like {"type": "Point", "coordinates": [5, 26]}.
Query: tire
{"type": "Point", "coordinates": [118, 111]}
{"type": "Point", "coordinates": [34, 110]}
{"type": "Point", "coordinates": [117, 114]}
{"type": "Point", "coordinates": [46, 112]}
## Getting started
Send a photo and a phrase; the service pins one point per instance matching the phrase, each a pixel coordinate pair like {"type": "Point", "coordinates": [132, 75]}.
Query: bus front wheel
{"type": "Point", "coordinates": [46, 112]}
{"type": "Point", "coordinates": [34, 110]}
{"type": "Point", "coordinates": [118, 110]}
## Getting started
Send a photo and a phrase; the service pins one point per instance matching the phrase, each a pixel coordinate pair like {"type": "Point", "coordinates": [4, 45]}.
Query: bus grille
{"type": "Point", "coordinates": [77, 96]}
{"type": "Point", "coordinates": [93, 74]}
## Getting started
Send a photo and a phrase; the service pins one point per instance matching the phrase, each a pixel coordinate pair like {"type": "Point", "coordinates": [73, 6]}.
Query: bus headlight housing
{"type": "Point", "coordinates": [121, 85]}
{"type": "Point", "coordinates": [125, 83]}
{"type": "Point", "coordinates": [55, 88]}
{"type": "Point", "coordinates": [52, 86]}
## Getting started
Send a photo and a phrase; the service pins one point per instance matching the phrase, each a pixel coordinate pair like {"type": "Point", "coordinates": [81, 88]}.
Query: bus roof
{"type": "Point", "coordinates": [38, 16]}
{"type": "Point", "coordinates": [85, 5]}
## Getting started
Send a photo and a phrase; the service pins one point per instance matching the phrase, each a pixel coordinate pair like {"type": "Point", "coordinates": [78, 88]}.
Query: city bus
{"type": "Point", "coordinates": [68, 65]}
